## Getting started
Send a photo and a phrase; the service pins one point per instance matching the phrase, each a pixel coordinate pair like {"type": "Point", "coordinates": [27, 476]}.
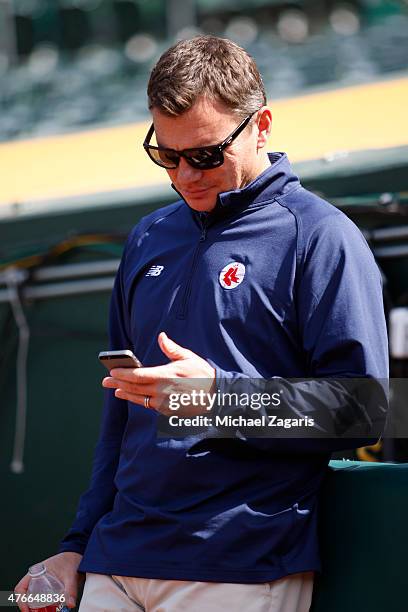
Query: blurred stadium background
{"type": "Point", "coordinates": [74, 179]}
{"type": "Point", "coordinates": [69, 64]}
{"type": "Point", "coordinates": [80, 67]}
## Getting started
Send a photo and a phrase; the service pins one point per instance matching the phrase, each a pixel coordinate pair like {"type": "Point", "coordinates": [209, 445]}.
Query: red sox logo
{"type": "Point", "coordinates": [232, 275]}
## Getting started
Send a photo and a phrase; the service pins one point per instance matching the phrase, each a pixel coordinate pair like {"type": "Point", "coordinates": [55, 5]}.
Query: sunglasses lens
{"type": "Point", "coordinates": [166, 158]}
{"type": "Point", "coordinates": [204, 158]}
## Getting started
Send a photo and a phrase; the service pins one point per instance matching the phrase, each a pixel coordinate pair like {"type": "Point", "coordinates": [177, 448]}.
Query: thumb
{"type": "Point", "coordinates": [21, 589]}
{"type": "Point", "coordinates": [71, 590]}
{"type": "Point", "coordinates": [171, 349]}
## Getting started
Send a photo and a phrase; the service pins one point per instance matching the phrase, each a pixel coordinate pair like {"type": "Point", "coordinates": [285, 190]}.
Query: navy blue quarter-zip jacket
{"type": "Point", "coordinates": [275, 282]}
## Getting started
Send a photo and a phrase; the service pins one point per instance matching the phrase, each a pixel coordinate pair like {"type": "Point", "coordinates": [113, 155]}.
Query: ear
{"type": "Point", "coordinates": [264, 126]}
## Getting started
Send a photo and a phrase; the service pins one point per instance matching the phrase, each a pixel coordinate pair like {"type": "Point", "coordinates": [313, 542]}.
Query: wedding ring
{"type": "Point", "coordinates": [147, 401]}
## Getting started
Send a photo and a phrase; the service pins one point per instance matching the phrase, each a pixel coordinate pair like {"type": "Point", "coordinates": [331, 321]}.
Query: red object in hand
{"type": "Point", "coordinates": [45, 592]}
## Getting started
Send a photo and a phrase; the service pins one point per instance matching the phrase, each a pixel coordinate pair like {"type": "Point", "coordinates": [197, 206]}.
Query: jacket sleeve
{"type": "Point", "coordinates": [98, 498]}
{"type": "Point", "coordinates": [343, 337]}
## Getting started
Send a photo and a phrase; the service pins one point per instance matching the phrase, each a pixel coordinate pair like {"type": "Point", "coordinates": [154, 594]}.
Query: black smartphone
{"type": "Point", "coordinates": [119, 359]}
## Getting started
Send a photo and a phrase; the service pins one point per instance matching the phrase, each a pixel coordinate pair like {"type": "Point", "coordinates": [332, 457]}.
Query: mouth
{"type": "Point", "coordinates": [195, 193]}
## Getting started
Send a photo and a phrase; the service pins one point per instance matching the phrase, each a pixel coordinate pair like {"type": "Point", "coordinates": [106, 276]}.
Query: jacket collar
{"type": "Point", "coordinates": [271, 183]}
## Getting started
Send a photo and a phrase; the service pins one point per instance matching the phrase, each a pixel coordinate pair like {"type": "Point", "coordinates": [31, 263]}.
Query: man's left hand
{"type": "Point", "coordinates": [180, 376]}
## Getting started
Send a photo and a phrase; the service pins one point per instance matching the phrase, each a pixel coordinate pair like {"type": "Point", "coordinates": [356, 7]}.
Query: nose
{"type": "Point", "coordinates": [186, 174]}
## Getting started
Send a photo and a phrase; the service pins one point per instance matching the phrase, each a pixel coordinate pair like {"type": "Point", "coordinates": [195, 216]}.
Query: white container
{"type": "Point", "coordinates": [399, 333]}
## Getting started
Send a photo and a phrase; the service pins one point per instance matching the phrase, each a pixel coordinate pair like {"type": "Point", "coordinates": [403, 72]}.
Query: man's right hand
{"type": "Point", "coordinates": [64, 567]}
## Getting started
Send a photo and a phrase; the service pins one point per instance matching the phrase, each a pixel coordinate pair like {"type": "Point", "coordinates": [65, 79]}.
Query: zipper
{"type": "Point", "coordinates": [187, 291]}
{"type": "Point", "coordinates": [122, 588]}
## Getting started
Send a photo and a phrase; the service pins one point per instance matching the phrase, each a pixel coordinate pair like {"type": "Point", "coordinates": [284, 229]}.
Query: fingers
{"type": "Point", "coordinates": [132, 393]}
{"type": "Point", "coordinates": [63, 567]}
{"type": "Point", "coordinates": [141, 375]}
{"type": "Point", "coordinates": [70, 577]}
{"type": "Point", "coordinates": [134, 398]}
{"type": "Point", "coordinates": [159, 403]}
{"type": "Point", "coordinates": [71, 590]}
{"type": "Point", "coordinates": [21, 589]}
{"type": "Point", "coordinates": [129, 387]}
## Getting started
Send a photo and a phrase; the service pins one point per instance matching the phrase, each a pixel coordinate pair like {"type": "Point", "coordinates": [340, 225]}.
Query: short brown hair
{"type": "Point", "coordinates": [205, 66]}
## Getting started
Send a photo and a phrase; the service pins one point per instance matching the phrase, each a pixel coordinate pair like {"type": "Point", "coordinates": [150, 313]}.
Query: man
{"type": "Point", "coordinates": [247, 276]}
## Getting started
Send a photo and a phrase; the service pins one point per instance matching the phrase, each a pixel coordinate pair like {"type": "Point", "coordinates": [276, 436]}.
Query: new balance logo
{"type": "Point", "coordinates": [155, 271]}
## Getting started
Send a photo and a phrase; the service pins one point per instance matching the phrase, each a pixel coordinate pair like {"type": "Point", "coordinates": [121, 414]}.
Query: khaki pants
{"type": "Point", "coordinates": [104, 593]}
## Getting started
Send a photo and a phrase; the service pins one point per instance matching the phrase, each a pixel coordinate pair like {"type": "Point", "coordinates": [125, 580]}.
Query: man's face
{"type": "Point", "coordinates": [208, 123]}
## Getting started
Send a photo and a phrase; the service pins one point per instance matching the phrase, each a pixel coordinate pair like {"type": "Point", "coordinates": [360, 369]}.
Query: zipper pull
{"type": "Point", "coordinates": [203, 221]}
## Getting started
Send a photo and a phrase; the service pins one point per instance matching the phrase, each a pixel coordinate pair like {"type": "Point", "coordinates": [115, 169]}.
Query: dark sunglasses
{"type": "Point", "coordinates": [202, 158]}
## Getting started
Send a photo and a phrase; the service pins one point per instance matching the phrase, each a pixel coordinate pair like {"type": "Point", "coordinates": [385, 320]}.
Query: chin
{"type": "Point", "coordinates": [200, 204]}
